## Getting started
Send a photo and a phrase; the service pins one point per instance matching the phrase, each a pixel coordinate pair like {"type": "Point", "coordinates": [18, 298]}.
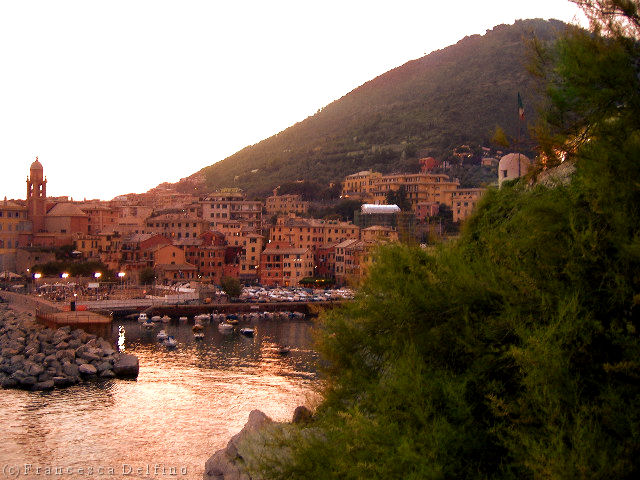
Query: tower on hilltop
{"type": "Point", "coordinates": [37, 196]}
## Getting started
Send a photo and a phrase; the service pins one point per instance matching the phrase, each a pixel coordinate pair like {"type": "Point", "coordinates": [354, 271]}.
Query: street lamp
{"type": "Point", "coordinates": [121, 277]}
{"type": "Point", "coordinates": [97, 275]}
{"type": "Point", "coordinates": [65, 275]}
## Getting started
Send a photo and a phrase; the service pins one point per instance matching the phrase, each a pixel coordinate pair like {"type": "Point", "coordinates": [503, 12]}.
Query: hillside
{"type": "Point", "coordinates": [452, 96]}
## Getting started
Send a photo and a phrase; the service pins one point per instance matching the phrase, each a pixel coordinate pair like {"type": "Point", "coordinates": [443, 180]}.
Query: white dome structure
{"type": "Point", "coordinates": [512, 165]}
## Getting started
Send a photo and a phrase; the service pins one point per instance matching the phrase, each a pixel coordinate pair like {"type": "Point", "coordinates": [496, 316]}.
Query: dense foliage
{"type": "Point", "coordinates": [450, 97]}
{"type": "Point", "coordinates": [231, 286]}
{"type": "Point", "coordinates": [74, 269]}
{"type": "Point", "coordinates": [514, 352]}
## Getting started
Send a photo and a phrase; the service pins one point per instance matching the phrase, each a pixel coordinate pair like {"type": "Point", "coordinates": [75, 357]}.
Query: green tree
{"type": "Point", "coordinates": [147, 276]}
{"type": "Point", "coordinates": [513, 352]}
{"type": "Point", "coordinates": [399, 198]}
{"type": "Point", "coordinates": [231, 286]}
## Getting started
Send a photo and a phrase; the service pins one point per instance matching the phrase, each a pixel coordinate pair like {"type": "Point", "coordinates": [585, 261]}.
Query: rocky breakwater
{"type": "Point", "coordinates": [34, 357]}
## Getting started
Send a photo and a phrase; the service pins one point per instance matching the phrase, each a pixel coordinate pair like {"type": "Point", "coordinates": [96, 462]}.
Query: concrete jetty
{"type": "Point", "coordinates": [90, 322]}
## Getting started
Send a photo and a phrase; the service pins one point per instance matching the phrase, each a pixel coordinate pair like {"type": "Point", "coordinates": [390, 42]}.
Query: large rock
{"type": "Point", "coordinates": [126, 366]}
{"type": "Point", "coordinates": [228, 463]}
{"type": "Point", "coordinates": [301, 415]}
{"type": "Point", "coordinates": [46, 385]}
{"type": "Point", "coordinates": [87, 369]}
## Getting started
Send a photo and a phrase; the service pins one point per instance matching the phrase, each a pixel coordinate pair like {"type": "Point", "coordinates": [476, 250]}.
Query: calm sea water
{"type": "Point", "coordinates": [185, 404]}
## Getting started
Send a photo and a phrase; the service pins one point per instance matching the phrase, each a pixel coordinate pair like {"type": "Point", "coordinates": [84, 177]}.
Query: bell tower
{"type": "Point", "coordinates": [36, 196]}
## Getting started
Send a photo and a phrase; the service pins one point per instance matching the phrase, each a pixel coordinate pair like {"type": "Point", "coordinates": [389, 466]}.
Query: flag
{"type": "Point", "coordinates": [520, 107]}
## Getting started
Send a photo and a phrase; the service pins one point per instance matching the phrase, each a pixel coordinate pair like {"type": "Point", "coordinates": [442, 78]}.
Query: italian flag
{"type": "Point", "coordinates": [520, 107]}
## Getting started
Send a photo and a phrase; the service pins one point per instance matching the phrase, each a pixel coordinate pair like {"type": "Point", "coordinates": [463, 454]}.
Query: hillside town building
{"type": "Point", "coordinates": [182, 238]}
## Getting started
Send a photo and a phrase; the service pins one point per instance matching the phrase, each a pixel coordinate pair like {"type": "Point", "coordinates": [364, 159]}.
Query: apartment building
{"type": "Point", "coordinates": [361, 185]}
{"type": "Point", "coordinates": [176, 226]}
{"type": "Point", "coordinates": [15, 229]}
{"type": "Point", "coordinates": [463, 202]}
{"type": "Point", "coordinates": [283, 265]}
{"type": "Point", "coordinates": [310, 233]}
{"type": "Point", "coordinates": [231, 205]}
{"type": "Point", "coordinates": [289, 203]}
{"type": "Point", "coordinates": [100, 218]}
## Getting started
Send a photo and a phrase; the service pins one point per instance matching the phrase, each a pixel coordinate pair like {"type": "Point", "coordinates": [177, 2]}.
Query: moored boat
{"type": "Point", "coordinates": [225, 327]}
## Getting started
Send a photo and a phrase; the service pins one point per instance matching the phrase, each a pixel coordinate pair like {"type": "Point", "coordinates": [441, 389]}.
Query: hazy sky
{"type": "Point", "coordinates": [119, 96]}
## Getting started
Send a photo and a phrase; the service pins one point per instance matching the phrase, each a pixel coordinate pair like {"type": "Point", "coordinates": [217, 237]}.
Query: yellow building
{"type": "Point", "coordinates": [252, 244]}
{"type": "Point", "coordinates": [285, 204]}
{"type": "Point", "coordinates": [352, 261]}
{"type": "Point", "coordinates": [464, 201]}
{"type": "Point", "coordinates": [176, 226]}
{"type": "Point", "coordinates": [132, 219]}
{"type": "Point", "coordinates": [310, 233]}
{"type": "Point", "coordinates": [15, 229]}
{"type": "Point", "coordinates": [101, 217]}
{"type": "Point", "coordinates": [360, 185]}
{"type": "Point", "coordinates": [378, 233]}
{"type": "Point", "coordinates": [170, 265]}
{"type": "Point", "coordinates": [230, 205]}
{"type": "Point", "coordinates": [420, 188]}
{"type": "Point", "coordinates": [283, 265]}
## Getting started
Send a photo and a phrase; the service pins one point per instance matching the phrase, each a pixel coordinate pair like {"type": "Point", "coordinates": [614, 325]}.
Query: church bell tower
{"type": "Point", "coordinates": [36, 196]}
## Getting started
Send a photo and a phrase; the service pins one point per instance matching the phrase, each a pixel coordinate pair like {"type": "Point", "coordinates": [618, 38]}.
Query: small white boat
{"type": "Point", "coordinates": [198, 336]}
{"type": "Point", "coordinates": [170, 342]}
{"type": "Point", "coordinates": [156, 318]}
{"type": "Point", "coordinates": [162, 336]}
{"type": "Point", "coordinates": [203, 318]}
{"type": "Point", "coordinates": [166, 319]}
{"type": "Point", "coordinates": [182, 319]}
{"type": "Point", "coordinates": [142, 318]}
{"type": "Point", "coordinates": [247, 332]}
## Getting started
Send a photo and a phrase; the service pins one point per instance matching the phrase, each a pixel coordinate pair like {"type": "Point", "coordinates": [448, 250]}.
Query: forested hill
{"type": "Point", "coordinates": [452, 96]}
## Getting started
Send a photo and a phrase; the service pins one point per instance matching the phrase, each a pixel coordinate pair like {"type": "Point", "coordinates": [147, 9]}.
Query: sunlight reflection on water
{"type": "Point", "coordinates": [186, 403]}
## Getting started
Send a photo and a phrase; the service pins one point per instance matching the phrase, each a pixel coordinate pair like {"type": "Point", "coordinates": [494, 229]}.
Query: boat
{"type": "Point", "coordinates": [284, 350]}
{"type": "Point", "coordinates": [148, 324]}
{"type": "Point", "coordinates": [170, 342]}
{"type": "Point", "coordinates": [202, 318]}
{"type": "Point", "coordinates": [166, 319]}
{"type": "Point", "coordinates": [197, 328]}
{"type": "Point", "coordinates": [162, 335]}
{"type": "Point", "coordinates": [225, 327]}
{"type": "Point", "coordinates": [232, 320]}
{"type": "Point", "coordinates": [142, 318]}
{"type": "Point", "coordinates": [182, 319]}
{"type": "Point", "coordinates": [198, 336]}
{"type": "Point", "coordinates": [247, 332]}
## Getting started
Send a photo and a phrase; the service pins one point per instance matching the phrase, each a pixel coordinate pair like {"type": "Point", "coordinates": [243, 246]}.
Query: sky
{"type": "Point", "coordinates": [117, 97]}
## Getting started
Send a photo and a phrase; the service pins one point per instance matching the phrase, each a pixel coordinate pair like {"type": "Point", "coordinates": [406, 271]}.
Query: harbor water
{"type": "Point", "coordinates": [186, 403]}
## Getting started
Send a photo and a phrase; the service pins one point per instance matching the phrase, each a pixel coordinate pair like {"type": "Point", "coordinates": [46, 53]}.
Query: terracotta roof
{"type": "Point", "coordinates": [65, 210]}
{"type": "Point", "coordinates": [12, 205]}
